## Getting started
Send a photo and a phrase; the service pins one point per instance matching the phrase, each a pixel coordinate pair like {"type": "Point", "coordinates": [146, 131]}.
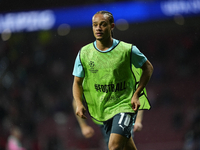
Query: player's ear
{"type": "Point", "coordinates": [112, 26]}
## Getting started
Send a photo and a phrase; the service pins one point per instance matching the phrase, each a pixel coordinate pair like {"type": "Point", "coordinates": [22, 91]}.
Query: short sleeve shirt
{"type": "Point", "coordinates": [137, 59]}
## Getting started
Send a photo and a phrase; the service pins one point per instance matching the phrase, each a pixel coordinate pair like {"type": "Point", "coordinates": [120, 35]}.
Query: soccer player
{"type": "Point", "coordinates": [103, 75]}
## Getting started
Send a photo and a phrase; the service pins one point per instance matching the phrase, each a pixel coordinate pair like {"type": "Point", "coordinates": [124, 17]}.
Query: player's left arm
{"type": "Point", "coordinates": [147, 70]}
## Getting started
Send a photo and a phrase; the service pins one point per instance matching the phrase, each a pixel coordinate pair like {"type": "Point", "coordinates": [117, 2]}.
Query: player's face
{"type": "Point", "coordinates": [101, 26]}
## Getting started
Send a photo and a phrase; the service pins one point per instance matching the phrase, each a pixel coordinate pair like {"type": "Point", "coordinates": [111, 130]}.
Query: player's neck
{"type": "Point", "coordinates": [104, 45]}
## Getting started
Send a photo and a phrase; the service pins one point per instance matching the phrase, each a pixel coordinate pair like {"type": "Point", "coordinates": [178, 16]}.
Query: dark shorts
{"type": "Point", "coordinates": [121, 123]}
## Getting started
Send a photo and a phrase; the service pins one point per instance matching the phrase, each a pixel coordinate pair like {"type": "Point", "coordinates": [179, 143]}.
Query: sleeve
{"type": "Point", "coordinates": [138, 58]}
{"type": "Point", "coordinates": [78, 68]}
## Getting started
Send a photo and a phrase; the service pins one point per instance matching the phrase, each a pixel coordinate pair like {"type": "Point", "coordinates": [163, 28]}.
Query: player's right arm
{"type": "Point", "coordinates": [77, 94]}
{"type": "Point", "coordinates": [86, 130]}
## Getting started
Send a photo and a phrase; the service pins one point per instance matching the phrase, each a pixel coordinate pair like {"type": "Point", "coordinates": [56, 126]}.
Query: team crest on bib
{"type": "Point", "coordinates": [92, 67]}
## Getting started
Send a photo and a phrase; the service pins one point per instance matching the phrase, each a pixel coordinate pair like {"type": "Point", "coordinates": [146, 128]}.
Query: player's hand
{"type": "Point", "coordinates": [87, 131]}
{"type": "Point", "coordinates": [137, 127]}
{"type": "Point", "coordinates": [135, 102]}
{"type": "Point", "coordinates": [81, 111]}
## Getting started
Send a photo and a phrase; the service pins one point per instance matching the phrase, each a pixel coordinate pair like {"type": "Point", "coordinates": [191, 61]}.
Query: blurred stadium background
{"type": "Point", "coordinates": [38, 45]}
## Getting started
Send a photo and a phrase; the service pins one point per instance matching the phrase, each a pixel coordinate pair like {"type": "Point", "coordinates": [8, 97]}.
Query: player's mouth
{"type": "Point", "coordinates": [99, 34]}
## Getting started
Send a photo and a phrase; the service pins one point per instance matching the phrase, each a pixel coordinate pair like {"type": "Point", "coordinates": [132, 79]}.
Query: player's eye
{"type": "Point", "coordinates": [104, 24]}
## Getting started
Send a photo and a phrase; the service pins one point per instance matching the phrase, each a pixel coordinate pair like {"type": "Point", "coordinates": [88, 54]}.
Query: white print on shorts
{"type": "Point", "coordinates": [126, 121]}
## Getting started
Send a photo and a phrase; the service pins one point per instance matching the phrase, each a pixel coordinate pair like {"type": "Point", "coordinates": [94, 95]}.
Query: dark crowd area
{"type": "Point", "coordinates": [12, 5]}
{"type": "Point", "coordinates": [36, 88]}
